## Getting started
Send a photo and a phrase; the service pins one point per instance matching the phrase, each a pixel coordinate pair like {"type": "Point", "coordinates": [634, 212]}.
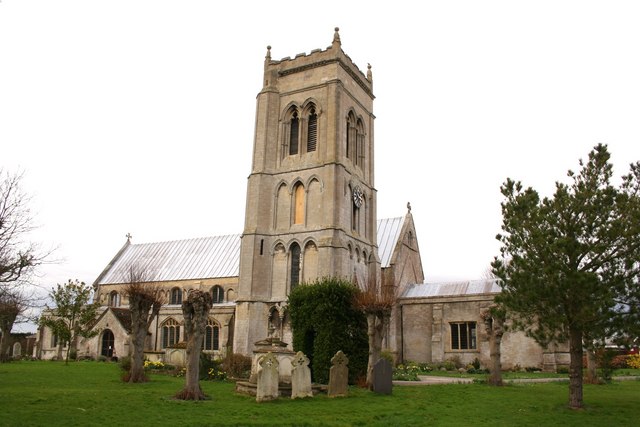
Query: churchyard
{"type": "Point", "coordinates": [92, 393]}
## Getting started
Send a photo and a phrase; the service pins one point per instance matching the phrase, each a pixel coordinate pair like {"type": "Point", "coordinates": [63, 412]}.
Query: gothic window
{"type": "Point", "coordinates": [295, 265]}
{"type": "Point", "coordinates": [293, 133]}
{"type": "Point", "coordinates": [298, 194]}
{"type": "Point", "coordinates": [176, 296]}
{"type": "Point", "coordinates": [217, 294]}
{"type": "Point", "coordinates": [312, 130]}
{"type": "Point", "coordinates": [170, 333]}
{"type": "Point", "coordinates": [351, 135]}
{"type": "Point", "coordinates": [463, 335]}
{"type": "Point", "coordinates": [359, 143]}
{"type": "Point", "coordinates": [114, 299]}
{"type": "Point", "coordinates": [211, 336]}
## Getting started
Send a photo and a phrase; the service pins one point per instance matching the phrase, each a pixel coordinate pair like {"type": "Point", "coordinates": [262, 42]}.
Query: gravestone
{"type": "Point", "coordinates": [300, 376]}
{"type": "Point", "coordinates": [267, 388]}
{"type": "Point", "coordinates": [338, 375]}
{"type": "Point", "coordinates": [382, 377]}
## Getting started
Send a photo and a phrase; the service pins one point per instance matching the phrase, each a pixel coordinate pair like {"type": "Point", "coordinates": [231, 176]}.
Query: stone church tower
{"type": "Point", "coordinates": [311, 200]}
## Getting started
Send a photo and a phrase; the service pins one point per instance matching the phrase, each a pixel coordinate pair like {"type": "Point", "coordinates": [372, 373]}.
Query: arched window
{"type": "Point", "coordinates": [359, 143]}
{"type": "Point", "coordinates": [295, 265]}
{"type": "Point", "coordinates": [298, 194]}
{"type": "Point", "coordinates": [170, 333]}
{"type": "Point", "coordinates": [176, 296]}
{"type": "Point", "coordinates": [217, 294]}
{"type": "Point", "coordinates": [114, 299]}
{"type": "Point", "coordinates": [211, 336]}
{"type": "Point", "coordinates": [312, 130]}
{"type": "Point", "coordinates": [293, 133]}
{"type": "Point", "coordinates": [351, 135]}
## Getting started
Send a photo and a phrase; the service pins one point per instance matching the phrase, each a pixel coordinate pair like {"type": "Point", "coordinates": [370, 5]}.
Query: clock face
{"type": "Point", "coordinates": [358, 196]}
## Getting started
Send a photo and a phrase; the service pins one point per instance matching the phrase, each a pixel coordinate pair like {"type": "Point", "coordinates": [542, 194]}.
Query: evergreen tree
{"type": "Point", "coordinates": [569, 264]}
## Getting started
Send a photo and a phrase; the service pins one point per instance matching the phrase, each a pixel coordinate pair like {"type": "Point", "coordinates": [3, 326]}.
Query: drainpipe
{"type": "Point", "coordinates": [155, 344]}
{"type": "Point", "coordinates": [401, 334]}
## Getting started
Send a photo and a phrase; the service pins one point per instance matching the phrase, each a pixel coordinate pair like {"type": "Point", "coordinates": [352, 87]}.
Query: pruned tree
{"type": "Point", "coordinates": [376, 302]}
{"type": "Point", "coordinates": [145, 301]}
{"type": "Point", "coordinates": [11, 306]}
{"type": "Point", "coordinates": [195, 310]}
{"type": "Point", "coordinates": [73, 314]}
{"type": "Point", "coordinates": [569, 264]}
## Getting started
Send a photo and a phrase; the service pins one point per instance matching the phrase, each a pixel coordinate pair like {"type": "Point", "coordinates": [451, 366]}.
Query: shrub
{"type": "Point", "coordinates": [562, 369]}
{"type": "Point", "coordinates": [386, 354]}
{"type": "Point", "coordinates": [408, 372]}
{"type": "Point", "coordinates": [125, 363]}
{"type": "Point", "coordinates": [620, 361]}
{"type": "Point", "coordinates": [102, 358]}
{"type": "Point", "coordinates": [73, 354]}
{"type": "Point", "coordinates": [325, 319]}
{"type": "Point", "coordinates": [532, 369]}
{"type": "Point", "coordinates": [156, 365]}
{"type": "Point", "coordinates": [449, 365]}
{"type": "Point", "coordinates": [633, 361]}
{"type": "Point", "coordinates": [236, 365]}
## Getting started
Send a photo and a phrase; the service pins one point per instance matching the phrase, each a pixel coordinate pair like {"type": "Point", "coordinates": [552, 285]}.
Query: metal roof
{"type": "Point", "coordinates": [471, 287]}
{"type": "Point", "coordinates": [388, 234]}
{"type": "Point", "coordinates": [200, 258]}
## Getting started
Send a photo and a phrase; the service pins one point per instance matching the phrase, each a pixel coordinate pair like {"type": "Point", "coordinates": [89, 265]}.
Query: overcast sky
{"type": "Point", "coordinates": [138, 116]}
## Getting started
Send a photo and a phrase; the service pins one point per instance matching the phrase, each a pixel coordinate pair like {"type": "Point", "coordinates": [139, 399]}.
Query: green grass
{"type": "Point", "coordinates": [508, 375]}
{"type": "Point", "coordinates": [91, 393]}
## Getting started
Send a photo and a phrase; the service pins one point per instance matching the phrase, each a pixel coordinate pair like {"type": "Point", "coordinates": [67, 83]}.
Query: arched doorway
{"type": "Point", "coordinates": [107, 343]}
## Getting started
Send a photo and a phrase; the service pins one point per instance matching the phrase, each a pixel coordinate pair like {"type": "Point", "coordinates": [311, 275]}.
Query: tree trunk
{"type": "Point", "coordinates": [195, 311]}
{"type": "Point", "coordinates": [136, 373]}
{"type": "Point", "coordinates": [575, 369]}
{"type": "Point", "coordinates": [592, 373]}
{"type": "Point", "coordinates": [192, 389]}
{"type": "Point", "coordinates": [375, 329]}
{"type": "Point", "coordinates": [495, 340]}
{"type": "Point", "coordinates": [4, 340]}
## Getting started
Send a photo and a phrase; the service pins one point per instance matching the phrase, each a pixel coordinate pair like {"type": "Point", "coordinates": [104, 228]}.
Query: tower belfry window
{"type": "Point", "coordinates": [295, 265]}
{"type": "Point", "coordinates": [312, 131]}
{"type": "Point", "coordinates": [293, 133]}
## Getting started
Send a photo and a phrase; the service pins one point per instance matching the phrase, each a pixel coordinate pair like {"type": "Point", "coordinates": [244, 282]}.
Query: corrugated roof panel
{"type": "Point", "coordinates": [388, 234]}
{"type": "Point", "coordinates": [472, 287]}
{"type": "Point", "coordinates": [201, 258]}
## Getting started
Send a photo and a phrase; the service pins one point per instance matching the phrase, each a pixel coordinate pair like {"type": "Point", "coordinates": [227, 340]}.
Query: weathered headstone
{"type": "Point", "coordinates": [338, 375]}
{"type": "Point", "coordinates": [300, 376]}
{"type": "Point", "coordinates": [382, 377]}
{"type": "Point", "coordinates": [267, 388]}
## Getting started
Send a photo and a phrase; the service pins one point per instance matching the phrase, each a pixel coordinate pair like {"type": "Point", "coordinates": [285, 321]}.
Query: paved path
{"type": "Point", "coordinates": [431, 380]}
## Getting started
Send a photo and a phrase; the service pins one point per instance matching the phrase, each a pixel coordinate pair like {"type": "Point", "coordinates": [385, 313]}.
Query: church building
{"type": "Point", "coordinates": [310, 213]}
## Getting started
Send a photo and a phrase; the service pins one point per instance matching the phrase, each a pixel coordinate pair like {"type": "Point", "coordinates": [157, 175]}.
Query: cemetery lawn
{"type": "Point", "coordinates": [91, 393]}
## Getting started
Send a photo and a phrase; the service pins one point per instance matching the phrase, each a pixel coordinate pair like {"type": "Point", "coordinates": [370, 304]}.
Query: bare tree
{"type": "Point", "coordinates": [376, 304]}
{"type": "Point", "coordinates": [195, 310]}
{"type": "Point", "coordinates": [145, 301]}
{"type": "Point", "coordinates": [18, 257]}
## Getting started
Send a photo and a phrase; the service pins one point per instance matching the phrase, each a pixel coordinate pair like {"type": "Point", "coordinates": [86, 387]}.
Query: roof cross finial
{"type": "Point", "coordinates": [129, 237]}
{"type": "Point", "coordinates": [409, 206]}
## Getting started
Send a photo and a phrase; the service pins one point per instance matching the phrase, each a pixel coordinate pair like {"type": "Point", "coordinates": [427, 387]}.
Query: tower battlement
{"type": "Point", "coordinates": [302, 62]}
